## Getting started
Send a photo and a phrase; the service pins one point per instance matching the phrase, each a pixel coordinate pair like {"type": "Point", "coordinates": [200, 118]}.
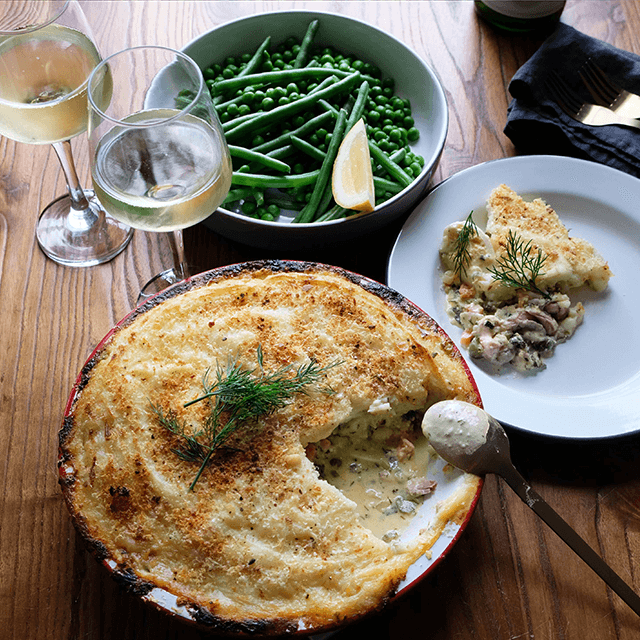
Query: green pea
{"type": "Point", "coordinates": [248, 207]}
{"type": "Point", "coordinates": [373, 116]}
{"type": "Point", "coordinates": [395, 135]}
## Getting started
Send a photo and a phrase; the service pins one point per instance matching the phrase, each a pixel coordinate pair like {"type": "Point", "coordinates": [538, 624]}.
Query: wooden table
{"type": "Point", "coordinates": [509, 577]}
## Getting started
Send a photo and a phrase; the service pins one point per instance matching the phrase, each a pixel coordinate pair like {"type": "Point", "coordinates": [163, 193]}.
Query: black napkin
{"type": "Point", "coordinates": [535, 124]}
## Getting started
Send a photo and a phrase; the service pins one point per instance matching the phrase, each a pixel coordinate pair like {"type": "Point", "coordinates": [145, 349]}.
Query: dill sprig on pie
{"type": "Point", "coordinates": [461, 256]}
{"type": "Point", "coordinates": [239, 397]}
{"type": "Point", "coordinates": [520, 268]}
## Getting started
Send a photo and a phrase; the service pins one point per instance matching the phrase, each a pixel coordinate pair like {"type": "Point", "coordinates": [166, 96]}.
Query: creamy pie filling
{"type": "Point", "coordinates": [380, 463]}
{"type": "Point", "coordinates": [521, 331]}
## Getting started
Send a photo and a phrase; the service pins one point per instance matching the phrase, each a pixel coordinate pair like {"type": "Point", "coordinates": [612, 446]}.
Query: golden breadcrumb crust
{"type": "Point", "coordinates": [570, 261]}
{"type": "Point", "coordinates": [262, 544]}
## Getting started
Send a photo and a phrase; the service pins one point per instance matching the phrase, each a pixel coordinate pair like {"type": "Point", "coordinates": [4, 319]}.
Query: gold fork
{"type": "Point", "coordinates": [590, 114]}
{"type": "Point", "coordinates": [605, 92]}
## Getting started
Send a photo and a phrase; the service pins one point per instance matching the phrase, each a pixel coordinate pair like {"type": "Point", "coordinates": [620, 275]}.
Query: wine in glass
{"type": "Point", "coordinates": [46, 56]}
{"type": "Point", "coordinates": [159, 158]}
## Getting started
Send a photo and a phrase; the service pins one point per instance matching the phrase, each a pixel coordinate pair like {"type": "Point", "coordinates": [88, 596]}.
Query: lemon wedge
{"type": "Point", "coordinates": [352, 179]}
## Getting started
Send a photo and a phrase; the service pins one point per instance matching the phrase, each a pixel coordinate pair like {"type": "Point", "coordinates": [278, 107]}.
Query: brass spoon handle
{"type": "Point", "coordinates": [570, 536]}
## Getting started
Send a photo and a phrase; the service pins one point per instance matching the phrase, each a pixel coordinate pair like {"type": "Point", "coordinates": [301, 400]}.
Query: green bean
{"type": "Point", "coordinates": [282, 76]}
{"type": "Point", "coordinates": [328, 107]}
{"type": "Point", "coordinates": [326, 200]}
{"type": "Point", "coordinates": [305, 45]}
{"type": "Point", "coordinates": [256, 59]}
{"type": "Point", "coordinates": [399, 155]}
{"type": "Point", "coordinates": [381, 185]}
{"type": "Point", "coordinates": [258, 195]}
{"type": "Point", "coordinates": [221, 106]}
{"type": "Point", "coordinates": [234, 195]}
{"type": "Point", "coordinates": [302, 130]}
{"type": "Point", "coordinates": [335, 213]}
{"type": "Point", "coordinates": [227, 126]}
{"type": "Point", "coordinates": [309, 212]}
{"type": "Point", "coordinates": [280, 113]}
{"type": "Point", "coordinates": [395, 170]}
{"type": "Point", "coordinates": [281, 152]}
{"type": "Point", "coordinates": [325, 83]}
{"type": "Point", "coordinates": [282, 200]}
{"type": "Point", "coordinates": [275, 182]}
{"type": "Point", "coordinates": [253, 156]}
{"type": "Point", "coordinates": [308, 148]}
{"type": "Point", "coordinates": [358, 107]}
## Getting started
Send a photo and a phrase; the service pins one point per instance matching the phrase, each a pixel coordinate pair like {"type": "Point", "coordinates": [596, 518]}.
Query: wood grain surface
{"type": "Point", "coordinates": [508, 578]}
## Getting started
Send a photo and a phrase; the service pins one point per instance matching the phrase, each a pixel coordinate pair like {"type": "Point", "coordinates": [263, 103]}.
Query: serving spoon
{"type": "Point", "coordinates": [469, 438]}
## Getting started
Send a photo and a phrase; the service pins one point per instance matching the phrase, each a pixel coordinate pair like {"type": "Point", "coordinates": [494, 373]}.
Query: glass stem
{"type": "Point", "coordinates": [79, 202]}
{"type": "Point", "coordinates": [177, 248]}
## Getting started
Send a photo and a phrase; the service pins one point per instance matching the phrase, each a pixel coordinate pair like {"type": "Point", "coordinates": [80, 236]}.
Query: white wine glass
{"type": "Point", "coordinates": [47, 53]}
{"type": "Point", "coordinates": [159, 158]}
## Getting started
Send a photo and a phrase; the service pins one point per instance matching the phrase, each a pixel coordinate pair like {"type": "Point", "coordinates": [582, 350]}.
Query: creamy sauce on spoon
{"type": "Point", "coordinates": [455, 429]}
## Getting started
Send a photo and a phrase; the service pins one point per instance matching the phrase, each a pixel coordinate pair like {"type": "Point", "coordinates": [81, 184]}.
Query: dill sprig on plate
{"type": "Point", "coordinates": [520, 267]}
{"type": "Point", "coordinates": [461, 256]}
{"type": "Point", "coordinates": [238, 398]}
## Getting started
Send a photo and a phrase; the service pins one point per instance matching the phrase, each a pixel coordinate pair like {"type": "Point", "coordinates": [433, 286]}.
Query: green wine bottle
{"type": "Point", "coordinates": [521, 16]}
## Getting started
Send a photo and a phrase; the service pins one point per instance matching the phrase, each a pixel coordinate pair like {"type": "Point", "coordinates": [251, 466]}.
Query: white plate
{"type": "Point", "coordinates": [591, 386]}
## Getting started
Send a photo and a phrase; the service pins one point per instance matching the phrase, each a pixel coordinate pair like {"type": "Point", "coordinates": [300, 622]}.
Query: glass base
{"type": "Point", "coordinates": [159, 283]}
{"type": "Point", "coordinates": [78, 238]}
